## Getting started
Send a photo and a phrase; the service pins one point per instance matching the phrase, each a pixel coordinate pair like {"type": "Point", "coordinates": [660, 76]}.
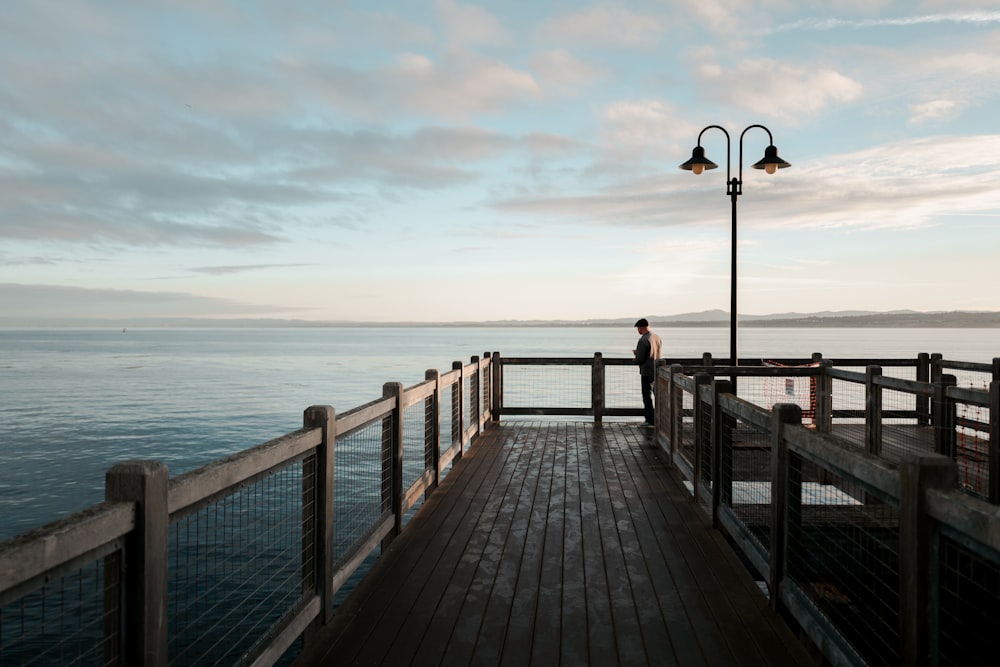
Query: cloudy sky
{"type": "Point", "coordinates": [447, 160]}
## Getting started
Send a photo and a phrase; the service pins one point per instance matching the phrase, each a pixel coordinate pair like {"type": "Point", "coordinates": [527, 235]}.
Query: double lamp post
{"type": "Point", "coordinates": [734, 188]}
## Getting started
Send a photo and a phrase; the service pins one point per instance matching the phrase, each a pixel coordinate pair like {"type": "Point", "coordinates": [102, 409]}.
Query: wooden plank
{"type": "Point", "coordinates": [559, 543]}
{"type": "Point", "coordinates": [412, 557]}
{"type": "Point", "coordinates": [518, 643]}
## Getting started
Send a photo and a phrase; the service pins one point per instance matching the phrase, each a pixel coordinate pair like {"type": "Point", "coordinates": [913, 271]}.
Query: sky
{"type": "Point", "coordinates": [453, 161]}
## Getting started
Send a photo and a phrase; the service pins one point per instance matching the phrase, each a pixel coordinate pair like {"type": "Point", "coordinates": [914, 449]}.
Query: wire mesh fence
{"type": "Point", "coordinates": [362, 493]}
{"type": "Point", "coordinates": [968, 603]}
{"type": "Point", "coordinates": [745, 471]}
{"type": "Point", "coordinates": [902, 436]}
{"type": "Point", "coordinates": [237, 566]}
{"type": "Point", "coordinates": [704, 444]}
{"type": "Point", "coordinates": [972, 448]}
{"type": "Point", "coordinates": [843, 554]}
{"type": "Point", "coordinates": [622, 386]}
{"type": "Point", "coordinates": [535, 386]}
{"type": "Point", "coordinates": [63, 622]}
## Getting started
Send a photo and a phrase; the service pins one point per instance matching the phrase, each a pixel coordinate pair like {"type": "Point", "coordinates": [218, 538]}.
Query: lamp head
{"type": "Point", "coordinates": [698, 162]}
{"type": "Point", "coordinates": [770, 163]}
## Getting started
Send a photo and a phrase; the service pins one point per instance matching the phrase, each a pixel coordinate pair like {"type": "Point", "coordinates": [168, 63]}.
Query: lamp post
{"type": "Point", "coordinates": [734, 188]}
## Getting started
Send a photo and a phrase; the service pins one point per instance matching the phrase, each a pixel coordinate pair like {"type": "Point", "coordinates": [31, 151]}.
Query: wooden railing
{"type": "Point", "coordinates": [880, 557]}
{"type": "Point", "coordinates": [174, 570]}
{"type": "Point", "coordinates": [264, 540]}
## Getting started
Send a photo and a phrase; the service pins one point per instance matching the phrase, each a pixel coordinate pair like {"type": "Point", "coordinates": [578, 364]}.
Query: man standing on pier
{"type": "Point", "coordinates": [646, 353]}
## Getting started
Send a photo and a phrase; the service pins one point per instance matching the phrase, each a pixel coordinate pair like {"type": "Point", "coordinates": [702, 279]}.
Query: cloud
{"type": "Point", "coordinates": [54, 301]}
{"type": "Point", "coordinates": [561, 70]}
{"type": "Point", "coordinates": [645, 123]}
{"type": "Point", "coordinates": [934, 110]}
{"type": "Point", "coordinates": [243, 268]}
{"type": "Point", "coordinates": [967, 18]}
{"type": "Point", "coordinates": [778, 90]}
{"type": "Point", "coordinates": [607, 26]}
{"type": "Point", "coordinates": [458, 85]}
{"type": "Point", "coordinates": [900, 185]}
{"type": "Point", "coordinates": [471, 24]}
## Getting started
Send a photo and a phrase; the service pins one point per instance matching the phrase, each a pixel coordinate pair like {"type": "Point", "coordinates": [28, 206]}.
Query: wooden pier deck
{"type": "Point", "coordinates": [559, 543]}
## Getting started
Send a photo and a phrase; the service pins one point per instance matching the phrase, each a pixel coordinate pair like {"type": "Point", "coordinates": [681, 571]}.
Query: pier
{"type": "Point", "coordinates": [559, 543]}
{"type": "Point", "coordinates": [513, 510]}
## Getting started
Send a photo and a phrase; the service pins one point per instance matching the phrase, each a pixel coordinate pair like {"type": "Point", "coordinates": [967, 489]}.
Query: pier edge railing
{"type": "Point", "coordinates": [871, 543]}
{"type": "Point", "coordinates": [122, 570]}
{"type": "Point", "coordinates": [116, 576]}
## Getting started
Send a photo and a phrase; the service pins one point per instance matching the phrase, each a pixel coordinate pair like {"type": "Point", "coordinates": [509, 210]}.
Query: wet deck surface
{"type": "Point", "coordinates": [559, 543]}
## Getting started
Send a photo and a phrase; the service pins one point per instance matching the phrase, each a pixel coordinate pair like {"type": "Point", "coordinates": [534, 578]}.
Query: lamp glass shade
{"type": "Point", "coordinates": [698, 162]}
{"type": "Point", "coordinates": [771, 162]}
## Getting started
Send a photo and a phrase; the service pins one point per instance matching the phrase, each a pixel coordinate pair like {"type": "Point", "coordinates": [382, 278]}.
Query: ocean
{"type": "Point", "coordinates": [73, 402]}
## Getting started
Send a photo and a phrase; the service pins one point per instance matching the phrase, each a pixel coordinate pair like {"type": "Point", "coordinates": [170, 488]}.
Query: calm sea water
{"type": "Point", "coordinates": [73, 402]}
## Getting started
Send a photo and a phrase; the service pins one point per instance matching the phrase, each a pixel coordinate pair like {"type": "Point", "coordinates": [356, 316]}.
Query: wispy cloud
{"type": "Point", "coordinates": [243, 268]}
{"type": "Point", "coordinates": [973, 18]}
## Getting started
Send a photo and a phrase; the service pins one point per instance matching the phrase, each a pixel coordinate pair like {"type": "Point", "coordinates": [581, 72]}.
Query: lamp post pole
{"type": "Point", "coordinates": [734, 188]}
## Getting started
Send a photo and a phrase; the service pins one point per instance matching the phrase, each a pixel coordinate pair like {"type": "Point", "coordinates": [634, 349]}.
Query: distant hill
{"type": "Point", "coordinates": [708, 318]}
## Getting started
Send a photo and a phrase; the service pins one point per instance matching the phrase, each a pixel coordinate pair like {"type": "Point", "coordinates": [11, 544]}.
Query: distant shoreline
{"type": "Point", "coordinates": [899, 319]}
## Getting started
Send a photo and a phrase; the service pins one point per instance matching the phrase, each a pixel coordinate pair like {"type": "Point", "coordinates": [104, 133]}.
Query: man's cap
{"type": "Point", "coordinates": [641, 323]}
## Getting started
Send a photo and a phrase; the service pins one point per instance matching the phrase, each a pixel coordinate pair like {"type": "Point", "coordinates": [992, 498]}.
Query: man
{"type": "Point", "coordinates": [646, 353]}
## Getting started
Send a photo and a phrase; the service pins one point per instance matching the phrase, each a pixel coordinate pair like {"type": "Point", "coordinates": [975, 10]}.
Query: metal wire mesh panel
{"type": "Point", "coordinates": [414, 437]}
{"type": "Point", "coordinates": [849, 411]}
{"type": "Point", "coordinates": [361, 494]}
{"type": "Point", "coordinates": [969, 605]}
{"type": "Point", "coordinates": [686, 432]}
{"type": "Point", "coordinates": [972, 449]}
{"type": "Point", "coordinates": [745, 469]}
{"type": "Point", "coordinates": [237, 566]}
{"type": "Point", "coordinates": [551, 386]}
{"type": "Point", "coordinates": [448, 416]}
{"type": "Point", "coordinates": [798, 390]}
{"type": "Point", "coordinates": [622, 387]}
{"type": "Point", "coordinates": [843, 554]}
{"type": "Point", "coordinates": [971, 378]}
{"type": "Point", "coordinates": [470, 395]}
{"type": "Point", "coordinates": [63, 622]}
{"type": "Point", "coordinates": [456, 414]}
{"type": "Point", "coordinates": [901, 436]}
{"type": "Point", "coordinates": [704, 445]}
{"type": "Point", "coordinates": [485, 389]}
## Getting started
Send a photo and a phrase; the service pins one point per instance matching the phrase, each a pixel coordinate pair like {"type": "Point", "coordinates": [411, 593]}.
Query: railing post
{"type": "Point", "coordinates": [917, 569]}
{"type": "Point", "coordinates": [923, 402]}
{"type": "Point", "coordinates": [782, 488]}
{"type": "Point", "coordinates": [823, 419]}
{"type": "Point", "coordinates": [935, 367]}
{"type": "Point", "coordinates": [145, 619]}
{"type": "Point", "coordinates": [700, 445]}
{"type": "Point", "coordinates": [597, 387]}
{"type": "Point", "coordinates": [392, 458]}
{"type": "Point", "coordinates": [432, 438]}
{"type": "Point", "coordinates": [317, 510]}
{"type": "Point", "coordinates": [944, 416]}
{"type": "Point", "coordinates": [873, 410]}
{"type": "Point", "coordinates": [722, 448]}
{"type": "Point", "coordinates": [497, 377]}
